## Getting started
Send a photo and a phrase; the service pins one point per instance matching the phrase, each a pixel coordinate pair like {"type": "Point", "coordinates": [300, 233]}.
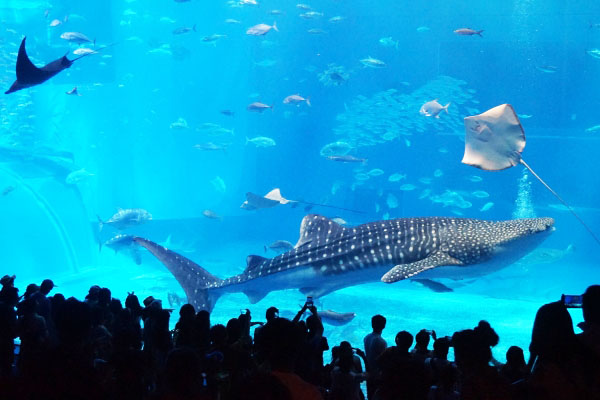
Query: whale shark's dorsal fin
{"type": "Point", "coordinates": [316, 226]}
{"type": "Point", "coordinates": [409, 270]}
{"type": "Point", "coordinates": [253, 261]}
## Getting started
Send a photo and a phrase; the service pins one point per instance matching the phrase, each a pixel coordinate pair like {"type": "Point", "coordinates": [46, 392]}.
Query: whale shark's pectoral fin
{"type": "Point", "coordinates": [254, 296]}
{"type": "Point", "coordinates": [409, 270]}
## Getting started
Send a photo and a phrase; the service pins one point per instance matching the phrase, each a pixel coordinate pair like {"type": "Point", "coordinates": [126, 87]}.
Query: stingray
{"type": "Point", "coordinates": [495, 140]}
{"type": "Point", "coordinates": [274, 198]}
{"type": "Point", "coordinates": [29, 75]}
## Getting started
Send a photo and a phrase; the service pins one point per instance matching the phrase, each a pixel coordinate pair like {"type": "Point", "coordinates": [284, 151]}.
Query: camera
{"type": "Point", "coordinates": [309, 301]}
{"type": "Point", "coordinates": [572, 301]}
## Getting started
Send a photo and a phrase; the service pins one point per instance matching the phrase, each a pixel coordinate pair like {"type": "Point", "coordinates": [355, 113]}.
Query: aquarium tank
{"type": "Point", "coordinates": [148, 159]}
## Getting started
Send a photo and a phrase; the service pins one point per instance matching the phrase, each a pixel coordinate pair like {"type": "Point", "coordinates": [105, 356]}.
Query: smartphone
{"type": "Point", "coordinates": [309, 301]}
{"type": "Point", "coordinates": [572, 301]}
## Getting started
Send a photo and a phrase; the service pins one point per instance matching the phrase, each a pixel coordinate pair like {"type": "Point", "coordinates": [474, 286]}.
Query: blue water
{"type": "Point", "coordinates": [119, 131]}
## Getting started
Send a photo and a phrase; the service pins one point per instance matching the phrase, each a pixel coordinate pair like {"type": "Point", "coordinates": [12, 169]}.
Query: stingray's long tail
{"type": "Point", "coordinates": [198, 284]}
{"type": "Point", "coordinates": [562, 201]}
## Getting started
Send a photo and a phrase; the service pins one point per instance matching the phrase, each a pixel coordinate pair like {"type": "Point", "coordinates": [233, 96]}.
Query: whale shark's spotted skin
{"type": "Point", "coordinates": [329, 256]}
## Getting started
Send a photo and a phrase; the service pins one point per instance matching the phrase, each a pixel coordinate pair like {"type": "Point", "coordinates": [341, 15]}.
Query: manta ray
{"type": "Point", "coordinates": [330, 257]}
{"type": "Point", "coordinates": [29, 75]}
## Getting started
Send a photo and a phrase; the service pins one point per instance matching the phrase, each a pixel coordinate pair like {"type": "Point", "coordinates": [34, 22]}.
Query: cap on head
{"type": "Point", "coordinates": [46, 286]}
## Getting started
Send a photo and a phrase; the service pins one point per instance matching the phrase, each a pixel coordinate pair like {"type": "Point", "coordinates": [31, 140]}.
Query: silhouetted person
{"type": "Point", "coordinates": [515, 368]}
{"type": "Point", "coordinates": [184, 328]}
{"type": "Point", "coordinates": [473, 354]}
{"type": "Point", "coordinates": [439, 359]}
{"type": "Point", "coordinates": [557, 369]}
{"type": "Point", "coordinates": [282, 341]}
{"type": "Point", "coordinates": [444, 389]}
{"type": "Point", "coordinates": [590, 337]}
{"type": "Point", "coordinates": [374, 345]}
{"type": "Point", "coordinates": [34, 338]}
{"type": "Point", "coordinates": [345, 380]}
{"type": "Point", "coordinates": [421, 351]}
{"type": "Point", "coordinates": [9, 297]}
{"type": "Point", "coordinates": [183, 379]}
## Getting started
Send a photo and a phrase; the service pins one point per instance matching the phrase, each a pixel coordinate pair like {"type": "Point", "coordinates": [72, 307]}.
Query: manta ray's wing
{"type": "Point", "coordinates": [494, 141]}
{"type": "Point", "coordinates": [403, 271]}
{"type": "Point", "coordinates": [29, 75]}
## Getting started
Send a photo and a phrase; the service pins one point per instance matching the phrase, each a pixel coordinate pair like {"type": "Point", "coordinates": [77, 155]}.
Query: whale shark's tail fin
{"type": "Point", "coordinates": [197, 283]}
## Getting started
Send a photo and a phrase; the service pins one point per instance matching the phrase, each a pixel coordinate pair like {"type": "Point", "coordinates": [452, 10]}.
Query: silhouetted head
{"type": "Point", "coordinates": [7, 280]}
{"type": "Point", "coordinates": [272, 312]}
{"type": "Point", "coordinates": [314, 325]}
{"type": "Point", "coordinates": [552, 336]}
{"type": "Point", "coordinates": [234, 330]}
{"type": "Point", "coordinates": [591, 304]}
{"type": "Point", "coordinates": [404, 340]}
{"type": "Point", "coordinates": [515, 357]}
{"type": "Point", "coordinates": [440, 347]}
{"type": "Point", "coordinates": [378, 323]}
{"type": "Point", "coordinates": [282, 341]}
{"type": "Point", "coordinates": [30, 290]}
{"type": "Point", "coordinates": [473, 347]}
{"type": "Point", "coordinates": [92, 295]}
{"type": "Point", "coordinates": [422, 339]}
{"type": "Point", "coordinates": [46, 286]}
{"type": "Point", "coordinates": [187, 312]}
{"type": "Point", "coordinates": [10, 296]}
{"type": "Point", "coordinates": [218, 336]}
{"type": "Point", "coordinates": [182, 373]}
{"type": "Point", "coordinates": [104, 296]}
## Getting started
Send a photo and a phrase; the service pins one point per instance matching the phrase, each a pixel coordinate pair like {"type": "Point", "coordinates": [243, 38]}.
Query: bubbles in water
{"type": "Point", "coordinates": [523, 203]}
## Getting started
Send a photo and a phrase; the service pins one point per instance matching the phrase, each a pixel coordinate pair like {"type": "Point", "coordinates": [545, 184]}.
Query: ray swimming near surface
{"type": "Point", "coordinates": [495, 139]}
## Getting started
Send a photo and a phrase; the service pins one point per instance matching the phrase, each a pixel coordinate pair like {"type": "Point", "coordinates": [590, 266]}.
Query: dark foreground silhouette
{"type": "Point", "coordinates": [99, 348]}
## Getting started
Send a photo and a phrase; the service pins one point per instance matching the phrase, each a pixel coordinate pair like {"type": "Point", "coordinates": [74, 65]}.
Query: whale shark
{"type": "Point", "coordinates": [329, 256]}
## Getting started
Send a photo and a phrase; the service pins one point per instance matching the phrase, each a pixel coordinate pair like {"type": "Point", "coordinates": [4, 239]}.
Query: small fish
{"type": "Point", "coordinates": [524, 116]}
{"type": "Point", "coordinates": [438, 173]}
{"type": "Point", "coordinates": [388, 42]}
{"type": "Point", "coordinates": [77, 176]}
{"type": "Point", "coordinates": [549, 69]}
{"type": "Point", "coordinates": [210, 146]}
{"type": "Point", "coordinates": [407, 187]}
{"type": "Point", "coordinates": [296, 99]}
{"type": "Point", "coordinates": [279, 246]}
{"type": "Point", "coordinates": [316, 31]}
{"type": "Point", "coordinates": [361, 176]}
{"type": "Point", "coordinates": [84, 50]}
{"type": "Point", "coordinates": [211, 214]}
{"type": "Point", "coordinates": [396, 177]}
{"type": "Point", "coordinates": [261, 29]}
{"type": "Point", "coordinates": [75, 37]}
{"type": "Point", "coordinates": [443, 150]}
{"type": "Point", "coordinates": [7, 190]}
{"type": "Point", "coordinates": [184, 29]}
{"type": "Point", "coordinates": [467, 32]}
{"type": "Point", "coordinates": [594, 53]}
{"type": "Point", "coordinates": [229, 113]}
{"type": "Point", "coordinates": [55, 22]}
{"type": "Point", "coordinates": [339, 220]}
{"type": "Point", "coordinates": [424, 194]}
{"type": "Point", "coordinates": [347, 159]}
{"type": "Point", "coordinates": [305, 7]}
{"type": "Point", "coordinates": [180, 124]}
{"type": "Point", "coordinates": [258, 107]}
{"type": "Point", "coordinates": [218, 184]}
{"type": "Point", "coordinates": [311, 15]}
{"type": "Point", "coordinates": [337, 18]}
{"type": "Point", "coordinates": [376, 172]}
{"type": "Point", "coordinates": [372, 62]}
{"type": "Point", "coordinates": [392, 201]}
{"type": "Point", "coordinates": [266, 63]}
{"type": "Point", "coordinates": [487, 206]}
{"type": "Point", "coordinates": [276, 12]}
{"type": "Point", "coordinates": [248, 2]}
{"type": "Point", "coordinates": [125, 218]}
{"type": "Point", "coordinates": [480, 194]}
{"type": "Point", "coordinates": [213, 38]}
{"type": "Point", "coordinates": [425, 181]}
{"type": "Point", "coordinates": [594, 128]}
{"type": "Point", "coordinates": [261, 141]}
{"type": "Point", "coordinates": [475, 178]}
{"type": "Point", "coordinates": [167, 20]}
{"type": "Point", "coordinates": [422, 29]}
{"type": "Point", "coordinates": [232, 21]}
{"type": "Point", "coordinates": [433, 109]}
{"type": "Point", "coordinates": [73, 92]}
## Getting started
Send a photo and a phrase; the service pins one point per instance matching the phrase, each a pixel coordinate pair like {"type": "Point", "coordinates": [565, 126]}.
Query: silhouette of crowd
{"type": "Point", "coordinates": [99, 348]}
